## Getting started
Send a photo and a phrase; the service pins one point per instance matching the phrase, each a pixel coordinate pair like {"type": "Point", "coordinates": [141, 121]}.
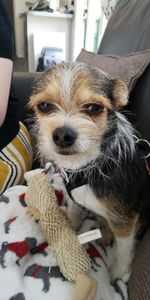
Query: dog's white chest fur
{"type": "Point", "coordinates": [85, 196]}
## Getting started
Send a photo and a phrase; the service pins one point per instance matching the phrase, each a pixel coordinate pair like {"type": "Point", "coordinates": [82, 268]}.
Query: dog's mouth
{"type": "Point", "coordinates": [66, 152]}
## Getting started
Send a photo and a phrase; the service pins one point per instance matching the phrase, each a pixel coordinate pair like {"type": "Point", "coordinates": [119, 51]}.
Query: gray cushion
{"type": "Point", "coordinates": [128, 68]}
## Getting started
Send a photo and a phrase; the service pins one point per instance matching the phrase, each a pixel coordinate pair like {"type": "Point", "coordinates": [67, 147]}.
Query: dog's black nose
{"type": "Point", "coordinates": [64, 136]}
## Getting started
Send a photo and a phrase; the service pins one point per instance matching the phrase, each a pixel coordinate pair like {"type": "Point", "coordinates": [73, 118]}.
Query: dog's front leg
{"type": "Point", "coordinates": [124, 256]}
{"type": "Point", "coordinates": [122, 224]}
{"type": "Point", "coordinates": [124, 231]}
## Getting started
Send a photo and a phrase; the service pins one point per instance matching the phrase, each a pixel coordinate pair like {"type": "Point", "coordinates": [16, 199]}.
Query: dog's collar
{"type": "Point", "coordinates": [74, 178]}
{"type": "Point", "coordinates": [76, 181]}
{"type": "Point", "coordinates": [144, 148]}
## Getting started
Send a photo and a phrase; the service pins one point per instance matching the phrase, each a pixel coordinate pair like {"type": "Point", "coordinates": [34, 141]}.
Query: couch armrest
{"type": "Point", "coordinates": [22, 84]}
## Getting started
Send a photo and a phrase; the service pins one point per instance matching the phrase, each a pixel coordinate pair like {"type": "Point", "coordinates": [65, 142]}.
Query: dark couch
{"type": "Point", "coordinates": [22, 88]}
{"type": "Point", "coordinates": [127, 31]}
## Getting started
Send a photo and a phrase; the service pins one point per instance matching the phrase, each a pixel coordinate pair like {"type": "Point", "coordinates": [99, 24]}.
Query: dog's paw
{"type": "Point", "coordinates": [126, 277]}
{"type": "Point", "coordinates": [120, 271]}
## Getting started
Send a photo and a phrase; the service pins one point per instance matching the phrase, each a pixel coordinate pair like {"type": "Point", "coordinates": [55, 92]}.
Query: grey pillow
{"type": "Point", "coordinates": [127, 68]}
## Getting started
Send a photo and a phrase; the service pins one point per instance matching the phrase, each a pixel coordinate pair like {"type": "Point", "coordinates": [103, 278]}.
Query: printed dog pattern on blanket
{"type": "Point", "coordinates": [44, 273]}
{"type": "Point", "coordinates": [19, 296]}
{"type": "Point", "coordinates": [28, 266]}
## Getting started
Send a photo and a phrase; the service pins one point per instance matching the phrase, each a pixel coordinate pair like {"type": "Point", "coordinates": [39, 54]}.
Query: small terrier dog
{"type": "Point", "coordinates": [80, 129]}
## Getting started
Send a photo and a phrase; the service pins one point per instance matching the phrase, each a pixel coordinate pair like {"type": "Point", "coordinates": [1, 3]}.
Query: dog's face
{"type": "Point", "coordinates": [72, 103]}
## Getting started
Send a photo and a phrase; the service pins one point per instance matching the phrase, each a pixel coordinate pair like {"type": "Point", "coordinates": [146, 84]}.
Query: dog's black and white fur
{"type": "Point", "coordinates": [81, 129]}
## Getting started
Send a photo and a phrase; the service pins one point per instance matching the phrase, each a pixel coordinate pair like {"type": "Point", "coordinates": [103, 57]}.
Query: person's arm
{"type": "Point", "coordinates": [6, 66]}
{"type": "Point", "coordinates": [6, 57]}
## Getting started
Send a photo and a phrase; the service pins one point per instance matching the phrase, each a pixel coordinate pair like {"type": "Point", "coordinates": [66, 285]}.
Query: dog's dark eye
{"type": "Point", "coordinates": [46, 107]}
{"type": "Point", "coordinates": [92, 109]}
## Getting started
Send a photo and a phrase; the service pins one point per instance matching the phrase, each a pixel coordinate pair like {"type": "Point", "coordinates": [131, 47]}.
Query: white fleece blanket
{"type": "Point", "coordinates": [25, 258]}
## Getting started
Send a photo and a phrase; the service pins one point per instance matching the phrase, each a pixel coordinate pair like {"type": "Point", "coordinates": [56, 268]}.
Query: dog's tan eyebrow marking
{"type": "Point", "coordinates": [87, 96]}
{"type": "Point", "coordinates": [37, 99]}
{"type": "Point", "coordinates": [49, 95]}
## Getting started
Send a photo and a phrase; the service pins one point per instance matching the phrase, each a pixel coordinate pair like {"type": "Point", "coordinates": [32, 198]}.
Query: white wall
{"type": "Point", "coordinates": [77, 29]}
{"type": "Point", "coordinates": [19, 7]}
{"type": "Point", "coordinates": [44, 24]}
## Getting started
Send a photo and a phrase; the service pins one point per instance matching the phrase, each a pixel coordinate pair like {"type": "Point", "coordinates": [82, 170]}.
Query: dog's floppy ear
{"type": "Point", "coordinates": [120, 94]}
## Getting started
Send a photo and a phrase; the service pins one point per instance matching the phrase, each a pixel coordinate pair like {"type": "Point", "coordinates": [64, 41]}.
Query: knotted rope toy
{"type": "Point", "coordinates": [72, 258]}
